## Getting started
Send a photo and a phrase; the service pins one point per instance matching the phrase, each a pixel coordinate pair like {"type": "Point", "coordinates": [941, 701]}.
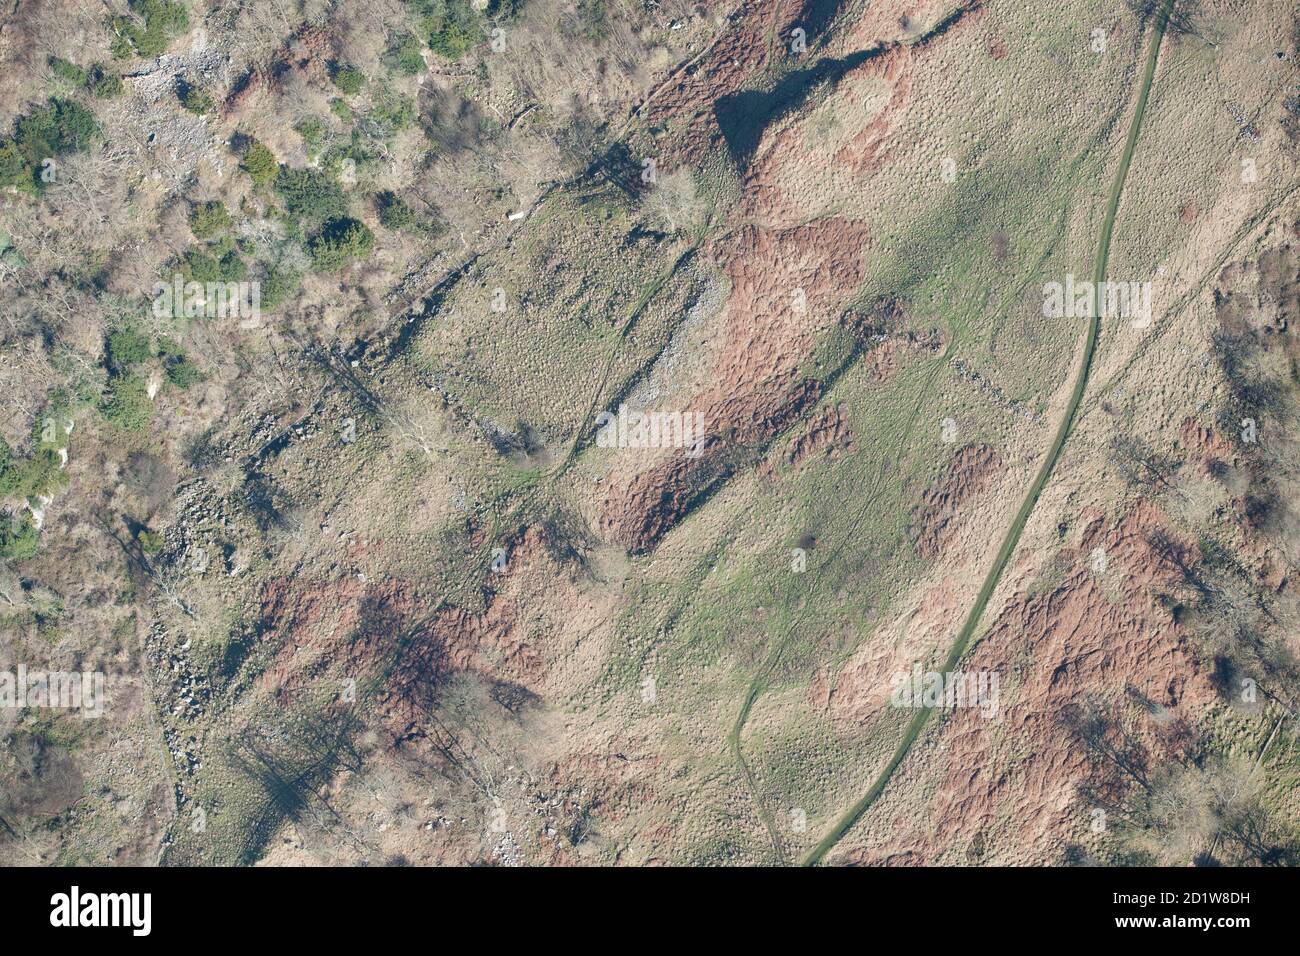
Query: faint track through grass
{"type": "Point", "coordinates": [756, 688]}
{"type": "Point", "coordinates": [759, 684]}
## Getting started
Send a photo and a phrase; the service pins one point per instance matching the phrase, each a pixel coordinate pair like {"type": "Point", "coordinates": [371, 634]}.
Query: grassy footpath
{"type": "Point", "coordinates": [756, 688]}
{"type": "Point", "coordinates": [846, 822]}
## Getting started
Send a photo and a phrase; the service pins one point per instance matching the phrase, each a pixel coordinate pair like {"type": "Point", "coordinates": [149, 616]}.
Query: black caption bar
{"type": "Point", "coordinates": [140, 907]}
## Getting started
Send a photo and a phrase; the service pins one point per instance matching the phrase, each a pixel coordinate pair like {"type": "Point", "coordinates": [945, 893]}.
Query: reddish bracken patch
{"type": "Point", "coordinates": [1104, 636]}
{"type": "Point", "coordinates": [638, 510]}
{"type": "Point", "coordinates": [1206, 446]}
{"type": "Point", "coordinates": [397, 633]}
{"type": "Point", "coordinates": [866, 152]}
{"type": "Point", "coordinates": [791, 279]}
{"type": "Point", "coordinates": [786, 285]}
{"type": "Point", "coordinates": [934, 520]}
{"type": "Point", "coordinates": [307, 54]}
{"type": "Point", "coordinates": [686, 99]}
{"type": "Point", "coordinates": [828, 434]}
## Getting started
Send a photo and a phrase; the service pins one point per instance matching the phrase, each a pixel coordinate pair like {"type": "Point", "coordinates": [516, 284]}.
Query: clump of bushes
{"type": "Point", "coordinates": [451, 26]}
{"type": "Point", "coordinates": [406, 55]}
{"type": "Point", "coordinates": [311, 194]}
{"type": "Point", "coordinates": [347, 78]}
{"type": "Point", "coordinates": [504, 9]}
{"type": "Point", "coordinates": [127, 404]}
{"type": "Point", "coordinates": [56, 129]}
{"type": "Point", "coordinates": [150, 30]}
{"type": "Point", "coordinates": [180, 371]}
{"type": "Point", "coordinates": [339, 242]}
{"type": "Point", "coordinates": [8, 254]}
{"type": "Point", "coordinates": [100, 82]}
{"type": "Point", "coordinates": [151, 542]}
{"type": "Point", "coordinates": [312, 131]}
{"type": "Point", "coordinates": [103, 84]}
{"type": "Point", "coordinates": [125, 349]}
{"type": "Point", "coordinates": [339, 107]}
{"type": "Point", "coordinates": [41, 474]}
{"type": "Point", "coordinates": [209, 219]}
{"type": "Point", "coordinates": [591, 19]}
{"type": "Point", "coordinates": [18, 537]}
{"type": "Point", "coordinates": [36, 476]}
{"type": "Point", "coordinates": [195, 99]}
{"type": "Point", "coordinates": [219, 262]}
{"type": "Point", "coordinates": [316, 205]}
{"type": "Point", "coordinates": [391, 113]}
{"type": "Point", "coordinates": [278, 285]}
{"type": "Point", "coordinates": [393, 211]}
{"type": "Point", "coordinates": [260, 164]}
{"type": "Point", "coordinates": [67, 71]}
